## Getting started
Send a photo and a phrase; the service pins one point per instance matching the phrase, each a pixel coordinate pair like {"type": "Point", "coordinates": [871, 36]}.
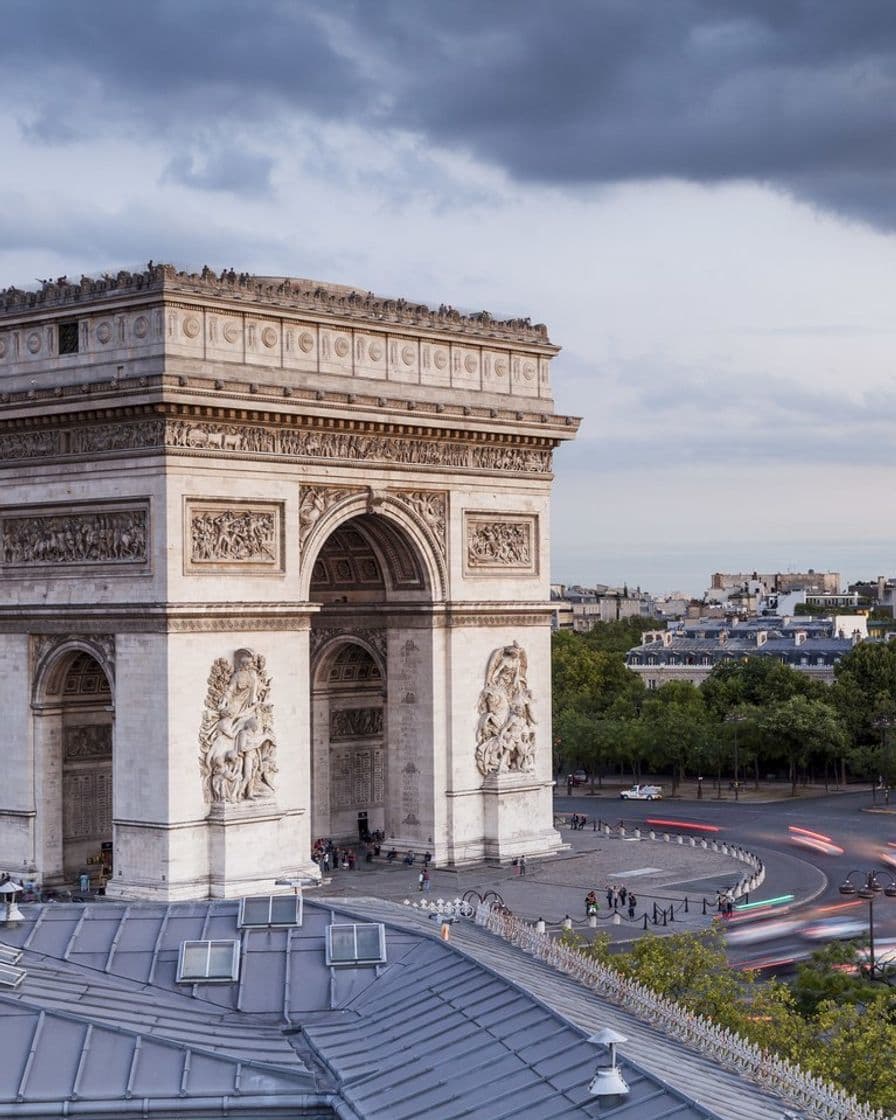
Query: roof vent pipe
{"type": "Point", "coordinates": [608, 1081]}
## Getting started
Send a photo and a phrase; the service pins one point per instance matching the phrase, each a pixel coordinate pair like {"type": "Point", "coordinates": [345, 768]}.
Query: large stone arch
{"type": "Point", "coordinates": [73, 709]}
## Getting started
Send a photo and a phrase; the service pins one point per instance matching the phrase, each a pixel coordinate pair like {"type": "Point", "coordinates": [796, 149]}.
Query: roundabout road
{"type": "Point", "coordinates": [848, 819]}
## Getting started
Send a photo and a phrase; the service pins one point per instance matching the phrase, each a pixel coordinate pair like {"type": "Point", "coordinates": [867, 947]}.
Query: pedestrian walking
{"type": "Point", "coordinates": [590, 904]}
{"type": "Point", "coordinates": [522, 866]}
{"type": "Point", "coordinates": [427, 879]}
{"type": "Point", "coordinates": [632, 903]}
{"type": "Point", "coordinates": [420, 880]}
{"type": "Point", "coordinates": [729, 904]}
{"type": "Point", "coordinates": [609, 896]}
{"type": "Point", "coordinates": [622, 893]}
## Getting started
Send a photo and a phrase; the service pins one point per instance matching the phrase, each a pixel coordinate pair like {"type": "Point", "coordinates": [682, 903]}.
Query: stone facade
{"type": "Point", "coordinates": [300, 537]}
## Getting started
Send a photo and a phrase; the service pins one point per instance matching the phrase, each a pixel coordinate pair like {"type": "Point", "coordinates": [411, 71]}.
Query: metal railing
{"type": "Point", "coordinates": [779, 1075]}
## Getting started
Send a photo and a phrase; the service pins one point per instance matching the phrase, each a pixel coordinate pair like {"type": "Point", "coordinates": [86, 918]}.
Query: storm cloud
{"type": "Point", "coordinates": [797, 94]}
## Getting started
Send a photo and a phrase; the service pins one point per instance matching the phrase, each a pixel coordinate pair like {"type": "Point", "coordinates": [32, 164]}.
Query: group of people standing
{"type": "Point", "coordinates": [618, 898]}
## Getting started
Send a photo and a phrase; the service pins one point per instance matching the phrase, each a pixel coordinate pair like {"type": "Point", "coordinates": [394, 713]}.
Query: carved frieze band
{"type": "Point", "coordinates": [89, 535]}
{"type": "Point", "coordinates": [500, 544]}
{"type": "Point", "coordinates": [356, 723]}
{"type": "Point", "coordinates": [257, 439]}
{"type": "Point", "coordinates": [230, 535]}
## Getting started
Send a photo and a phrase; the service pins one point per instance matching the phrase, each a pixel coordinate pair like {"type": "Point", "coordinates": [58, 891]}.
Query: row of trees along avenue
{"type": "Point", "coordinates": [776, 719]}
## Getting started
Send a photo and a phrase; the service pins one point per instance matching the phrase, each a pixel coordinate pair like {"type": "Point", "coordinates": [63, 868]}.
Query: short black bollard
{"type": "Point", "coordinates": [672, 912]}
{"type": "Point", "coordinates": [645, 921]}
{"type": "Point", "coordinates": [686, 905]}
{"type": "Point", "coordinates": [704, 905]}
{"type": "Point", "coordinates": [664, 917]}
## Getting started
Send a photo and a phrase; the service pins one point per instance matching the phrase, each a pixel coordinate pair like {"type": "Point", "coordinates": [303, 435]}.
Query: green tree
{"type": "Point", "coordinates": [798, 729]}
{"type": "Point", "coordinates": [588, 686]}
{"type": "Point", "coordinates": [620, 636]}
{"type": "Point", "coordinates": [830, 975]}
{"type": "Point", "coordinates": [676, 727]}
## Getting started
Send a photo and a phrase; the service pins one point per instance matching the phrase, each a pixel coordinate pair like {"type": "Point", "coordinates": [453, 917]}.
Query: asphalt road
{"type": "Point", "coordinates": [852, 822]}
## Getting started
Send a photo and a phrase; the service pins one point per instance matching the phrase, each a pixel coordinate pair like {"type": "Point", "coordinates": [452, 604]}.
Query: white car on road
{"type": "Point", "coordinates": [642, 793]}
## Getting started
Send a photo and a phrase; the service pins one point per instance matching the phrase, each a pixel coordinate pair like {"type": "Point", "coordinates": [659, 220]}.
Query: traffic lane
{"type": "Point", "coordinates": [765, 828]}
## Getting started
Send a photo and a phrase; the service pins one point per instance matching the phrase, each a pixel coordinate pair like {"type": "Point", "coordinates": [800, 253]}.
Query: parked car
{"type": "Point", "coordinates": [578, 778]}
{"type": "Point", "coordinates": [642, 793]}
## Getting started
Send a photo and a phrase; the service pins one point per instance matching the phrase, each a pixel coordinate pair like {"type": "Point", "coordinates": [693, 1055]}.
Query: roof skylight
{"type": "Point", "coordinates": [10, 976]}
{"type": "Point", "coordinates": [356, 943]}
{"type": "Point", "coordinates": [208, 961]}
{"type": "Point", "coordinates": [271, 910]}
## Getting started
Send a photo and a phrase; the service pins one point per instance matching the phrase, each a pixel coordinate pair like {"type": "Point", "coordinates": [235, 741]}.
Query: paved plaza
{"type": "Point", "coordinates": [662, 874]}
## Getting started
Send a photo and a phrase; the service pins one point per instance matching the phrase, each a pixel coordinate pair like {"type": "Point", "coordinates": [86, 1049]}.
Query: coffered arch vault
{"type": "Point", "coordinates": [374, 543]}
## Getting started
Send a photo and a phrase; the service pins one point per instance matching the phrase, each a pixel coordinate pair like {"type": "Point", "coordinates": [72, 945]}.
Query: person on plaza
{"type": "Point", "coordinates": [392, 856]}
{"type": "Point", "coordinates": [632, 903]}
{"type": "Point", "coordinates": [350, 859]}
{"type": "Point", "coordinates": [420, 880]}
{"type": "Point", "coordinates": [522, 866]}
{"type": "Point", "coordinates": [427, 858]}
{"type": "Point", "coordinates": [609, 896]}
{"type": "Point", "coordinates": [427, 878]}
{"type": "Point", "coordinates": [622, 893]}
{"type": "Point", "coordinates": [729, 904]}
{"type": "Point", "coordinates": [409, 858]}
{"type": "Point", "coordinates": [590, 904]}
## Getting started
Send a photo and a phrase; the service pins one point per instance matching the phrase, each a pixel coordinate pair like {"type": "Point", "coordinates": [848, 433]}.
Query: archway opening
{"type": "Point", "coordinates": [348, 725]}
{"type": "Point", "coordinates": [73, 738]}
{"type": "Point", "coordinates": [371, 683]}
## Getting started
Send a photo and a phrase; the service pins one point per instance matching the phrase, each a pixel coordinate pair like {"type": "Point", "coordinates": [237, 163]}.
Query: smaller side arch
{"type": "Point", "coordinates": [54, 660]}
{"type": "Point", "coordinates": [323, 654]}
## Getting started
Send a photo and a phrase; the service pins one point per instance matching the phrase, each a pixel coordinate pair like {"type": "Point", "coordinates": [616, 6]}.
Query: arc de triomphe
{"type": "Point", "coordinates": [275, 567]}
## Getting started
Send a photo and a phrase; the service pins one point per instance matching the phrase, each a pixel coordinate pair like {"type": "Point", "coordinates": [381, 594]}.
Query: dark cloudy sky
{"type": "Point", "coordinates": [698, 197]}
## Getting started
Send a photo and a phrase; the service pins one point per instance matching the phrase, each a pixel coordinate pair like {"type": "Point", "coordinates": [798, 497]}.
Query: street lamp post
{"type": "Point", "coordinates": [869, 889]}
{"type": "Point", "coordinates": [735, 719]}
{"type": "Point", "coordinates": [883, 724]}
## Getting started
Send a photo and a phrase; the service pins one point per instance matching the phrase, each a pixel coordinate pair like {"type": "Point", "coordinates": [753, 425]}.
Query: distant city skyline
{"type": "Point", "coordinates": [698, 199]}
{"type": "Point", "coordinates": [683, 570]}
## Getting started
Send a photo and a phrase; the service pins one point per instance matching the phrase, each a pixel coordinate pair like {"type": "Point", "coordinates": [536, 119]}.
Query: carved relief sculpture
{"type": "Point", "coordinates": [500, 544]}
{"type": "Point", "coordinates": [430, 506]}
{"type": "Point", "coordinates": [109, 536]}
{"type": "Point", "coordinates": [505, 734]}
{"type": "Point", "coordinates": [356, 723]}
{"type": "Point", "coordinates": [314, 503]}
{"type": "Point", "coordinates": [233, 536]}
{"type": "Point", "coordinates": [237, 749]}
